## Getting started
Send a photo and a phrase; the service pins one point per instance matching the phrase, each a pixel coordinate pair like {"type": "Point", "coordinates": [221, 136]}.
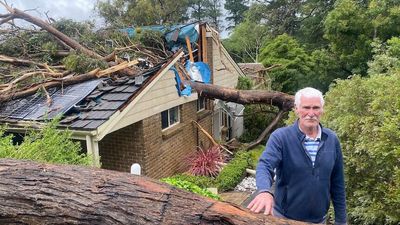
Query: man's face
{"type": "Point", "coordinates": [309, 112]}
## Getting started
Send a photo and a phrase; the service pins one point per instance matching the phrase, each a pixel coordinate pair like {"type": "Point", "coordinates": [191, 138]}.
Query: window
{"type": "Point", "coordinates": [224, 119]}
{"type": "Point", "coordinates": [225, 125]}
{"type": "Point", "coordinates": [170, 117]}
{"type": "Point", "coordinates": [201, 104]}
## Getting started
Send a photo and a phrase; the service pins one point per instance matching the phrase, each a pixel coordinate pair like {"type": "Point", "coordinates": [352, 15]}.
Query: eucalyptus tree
{"type": "Point", "coordinates": [236, 9]}
{"type": "Point", "coordinates": [142, 12]}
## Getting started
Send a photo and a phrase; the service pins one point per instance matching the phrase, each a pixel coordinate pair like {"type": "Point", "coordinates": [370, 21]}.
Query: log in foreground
{"type": "Point", "coordinates": [37, 193]}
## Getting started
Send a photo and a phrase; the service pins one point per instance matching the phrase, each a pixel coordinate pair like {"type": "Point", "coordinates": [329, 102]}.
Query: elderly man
{"type": "Point", "coordinates": [308, 162]}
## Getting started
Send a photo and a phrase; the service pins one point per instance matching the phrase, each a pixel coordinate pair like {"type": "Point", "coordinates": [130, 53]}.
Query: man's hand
{"type": "Point", "coordinates": [262, 201]}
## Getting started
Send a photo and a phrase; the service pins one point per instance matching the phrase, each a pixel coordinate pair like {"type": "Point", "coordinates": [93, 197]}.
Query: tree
{"type": "Point", "coordinates": [34, 193]}
{"type": "Point", "coordinates": [386, 58]}
{"type": "Point", "coordinates": [325, 68]}
{"type": "Point", "coordinates": [352, 26]}
{"type": "Point", "coordinates": [122, 13]}
{"type": "Point", "coordinates": [236, 9]}
{"type": "Point", "coordinates": [364, 113]}
{"type": "Point", "coordinates": [198, 9]}
{"type": "Point", "coordinates": [214, 14]}
{"type": "Point", "coordinates": [348, 30]}
{"type": "Point", "coordinates": [311, 28]}
{"type": "Point", "coordinates": [246, 40]}
{"type": "Point", "coordinates": [295, 68]}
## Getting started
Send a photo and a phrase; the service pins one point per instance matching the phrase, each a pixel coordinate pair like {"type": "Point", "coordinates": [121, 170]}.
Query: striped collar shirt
{"type": "Point", "coordinates": [311, 145]}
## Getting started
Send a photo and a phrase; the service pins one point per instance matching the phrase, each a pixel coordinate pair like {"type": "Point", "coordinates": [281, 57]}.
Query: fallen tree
{"type": "Point", "coordinates": [36, 193]}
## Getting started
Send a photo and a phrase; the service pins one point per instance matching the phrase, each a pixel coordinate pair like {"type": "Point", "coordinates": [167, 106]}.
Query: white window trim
{"type": "Point", "coordinates": [204, 104]}
{"type": "Point", "coordinates": [174, 124]}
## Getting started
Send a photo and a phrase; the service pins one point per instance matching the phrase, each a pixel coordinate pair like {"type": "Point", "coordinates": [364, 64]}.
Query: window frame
{"type": "Point", "coordinates": [168, 111]}
{"type": "Point", "coordinates": [201, 101]}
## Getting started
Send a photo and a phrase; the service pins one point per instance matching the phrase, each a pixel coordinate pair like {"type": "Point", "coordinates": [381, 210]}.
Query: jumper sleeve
{"type": "Point", "coordinates": [269, 160]}
{"type": "Point", "coordinates": [338, 194]}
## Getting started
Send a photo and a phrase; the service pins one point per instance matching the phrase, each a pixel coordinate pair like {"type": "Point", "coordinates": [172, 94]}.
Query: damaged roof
{"type": "Point", "coordinates": [89, 104]}
{"type": "Point", "coordinates": [83, 106]}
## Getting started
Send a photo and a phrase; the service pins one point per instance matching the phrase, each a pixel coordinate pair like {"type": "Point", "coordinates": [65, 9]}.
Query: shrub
{"type": "Point", "coordinates": [233, 173]}
{"type": "Point", "coordinates": [365, 114]}
{"type": "Point", "coordinates": [45, 145]}
{"type": "Point", "coordinates": [255, 156]}
{"type": "Point", "coordinates": [186, 185]}
{"type": "Point", "coordinates": [206, 162]}
{"type": "Point", "coordinates": [201, 181]}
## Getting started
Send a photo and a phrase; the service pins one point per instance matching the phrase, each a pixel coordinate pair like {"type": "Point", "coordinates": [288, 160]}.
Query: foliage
{"type": "Point", "coordinates": [386, 59]}
{"type": "Point", "coordinates": [365, 114]}
{"type": "Point", "coordinates": [122, 13]}
{"type": "Point", "coordinates": [346, 28]}
{"type": "Point", "coordinates": [45, 145]}
{"type": "Point", "coordinates": [152, 39]}
{"type": "Point", "coordinates": [236, 9]}
{"type": "Point", "coordinates": [246, 41]}
{"type": "Point", "coordinates": [244, 83]}
{"type": "Point", "coordinates": [325, 68]}
{"type": "Point", "coordinates": [186, 185]}
{"type": "Point", "coordinates": [233, 173]}
{"type": "Point", "coordinates": [214, 14]}
{"type": "Point", "coordinates": [81, 63]}
{"type": "Point", "coordinates": [206, 162]}
{"type": "Point", "coordinates": [198, 9]}
{"type": "Point", "coordinates": [255, 156]}
{"type": "Point", "coordinates": [310, 31]}
{"type": "Point", "coordinates": [300, 19]}
{"type": "Point", "coordinates": [295, 63]}
{"type": "Point", "coordinates": [256, 118]}
{"type": "Point", "coordinates": [201, 181]}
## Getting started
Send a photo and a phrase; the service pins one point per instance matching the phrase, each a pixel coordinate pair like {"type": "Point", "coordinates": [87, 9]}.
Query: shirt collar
{"type": "Point", "coordinates": [317, 138]}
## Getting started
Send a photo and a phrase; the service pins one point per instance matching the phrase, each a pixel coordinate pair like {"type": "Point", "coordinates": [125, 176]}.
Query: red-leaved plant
{"type": "Point", "coordinates": [206, 162]}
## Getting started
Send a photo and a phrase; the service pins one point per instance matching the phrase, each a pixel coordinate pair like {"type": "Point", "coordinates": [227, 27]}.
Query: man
{"type": "Point", "coordinates": [308, 162]}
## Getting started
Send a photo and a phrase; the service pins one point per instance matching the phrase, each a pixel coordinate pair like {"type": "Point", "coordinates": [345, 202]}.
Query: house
{"type": "Point", "coordinates": [142, 119]}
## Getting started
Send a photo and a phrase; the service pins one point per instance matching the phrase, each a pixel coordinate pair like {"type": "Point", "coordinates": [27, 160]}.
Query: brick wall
{"type": "Point", "coordinates": [160, 153]}
{"type": "Point", "coordinates": [167, 150]}
{"type": "Point", "coordinates": [120, 149]}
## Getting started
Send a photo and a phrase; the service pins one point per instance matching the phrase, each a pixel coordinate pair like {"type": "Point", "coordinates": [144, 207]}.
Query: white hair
{"type": "Point", "coordinates": [308, 92]}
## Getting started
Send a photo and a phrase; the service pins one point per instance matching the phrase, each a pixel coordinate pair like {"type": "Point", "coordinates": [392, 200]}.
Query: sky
{"type": "Point", "coordinates": [77, 10]}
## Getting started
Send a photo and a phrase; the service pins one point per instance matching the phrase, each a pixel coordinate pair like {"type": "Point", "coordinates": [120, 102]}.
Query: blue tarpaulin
{"type": "Point", "coordinates": [187, 90]}
{"type": "Point", "coordinates": [198, 71]}
{"type": "Point", "coordinates": [174, 35]}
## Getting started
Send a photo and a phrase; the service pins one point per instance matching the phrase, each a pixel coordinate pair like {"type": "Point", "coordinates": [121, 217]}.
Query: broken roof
{"type": "Point", "coordinates": [84, 106]}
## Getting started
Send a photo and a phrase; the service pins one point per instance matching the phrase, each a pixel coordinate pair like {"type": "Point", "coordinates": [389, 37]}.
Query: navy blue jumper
{"type": "Point", "coordinates": [303, 191]}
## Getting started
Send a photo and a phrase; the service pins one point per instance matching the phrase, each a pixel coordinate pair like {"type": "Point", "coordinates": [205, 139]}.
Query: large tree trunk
{"type": "Point", "coordinates": [282, 100]}
{"type": "Point", "coordinates": [35, 193]}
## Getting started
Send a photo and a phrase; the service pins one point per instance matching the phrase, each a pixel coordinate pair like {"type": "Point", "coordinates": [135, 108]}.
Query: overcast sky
{"type": "Point", "coordinates": [71, 9]}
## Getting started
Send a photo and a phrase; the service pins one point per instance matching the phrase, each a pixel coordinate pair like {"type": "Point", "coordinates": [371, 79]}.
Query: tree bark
{"type": "Point", "coordinates": [282, 100]}
{"type": "Point", "coordinates": [36, 193]}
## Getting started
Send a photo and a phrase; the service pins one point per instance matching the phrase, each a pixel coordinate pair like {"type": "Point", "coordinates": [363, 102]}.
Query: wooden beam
{"type": "Point", "coordinates": [203, 42]}
{"type": "Point", "coordinates": [189, 47]}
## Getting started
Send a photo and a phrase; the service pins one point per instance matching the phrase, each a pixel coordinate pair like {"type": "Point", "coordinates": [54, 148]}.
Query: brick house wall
{"type": "Point", "coordinates": [119, 149]}
{"type": "Point", "coordinates": [160, 153]}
